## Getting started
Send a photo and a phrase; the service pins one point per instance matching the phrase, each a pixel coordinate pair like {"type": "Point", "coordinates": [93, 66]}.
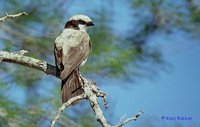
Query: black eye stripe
{"type": "Point", "coordinates": [82, 22]}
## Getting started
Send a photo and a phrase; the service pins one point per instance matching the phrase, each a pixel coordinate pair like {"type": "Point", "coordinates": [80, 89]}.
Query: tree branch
{"type": "Point", "coordinates": [91, 91]}
{"type": "Point", "coordinates": [12, 16]}
{"type": "Point", "coordinates": [65, 105]}
{"type": "Point", "coordinates": [20, 58]}
{"type": "Point", "coordinates": [130, 119]}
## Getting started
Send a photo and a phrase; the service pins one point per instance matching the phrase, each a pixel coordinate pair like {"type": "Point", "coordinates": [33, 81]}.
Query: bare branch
{"type": "Point", "coordinates": [91, 92]}
{"type": "Point", "coordinates": [130, 119]}
{"type": "Point", "coordinates": [92, 97]}
{"type": "Point", "coordinates": [99, 93]}
{"type": "Point", "coordinates": [64, 106]}
{"type": "Point", "coordinates": [20, 58]}
{"type": "Point", "coordinates": [12, 16]}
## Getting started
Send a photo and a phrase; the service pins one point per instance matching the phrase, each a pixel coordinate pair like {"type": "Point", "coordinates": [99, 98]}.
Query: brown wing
{"type": "Point", "coordinates": [74, 58]}
{"type": "Point", "coordinates": [58, 59]}
{"type": "Point", "coordinates": [72, 86]}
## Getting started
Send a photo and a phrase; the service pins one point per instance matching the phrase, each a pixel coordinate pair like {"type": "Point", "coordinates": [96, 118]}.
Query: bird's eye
{"type": "Point", "coordinates": [82, 22]}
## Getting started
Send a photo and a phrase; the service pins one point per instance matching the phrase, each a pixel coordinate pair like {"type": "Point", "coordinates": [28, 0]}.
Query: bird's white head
{"type": "Point", "coordinates": [80, 22]}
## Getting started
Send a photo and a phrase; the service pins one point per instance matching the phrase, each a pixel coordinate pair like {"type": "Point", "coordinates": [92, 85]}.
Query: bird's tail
{"type": "Point", "coordinates": [72, 86]}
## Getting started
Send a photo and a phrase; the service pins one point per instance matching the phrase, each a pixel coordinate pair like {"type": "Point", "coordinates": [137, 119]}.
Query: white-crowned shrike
{"type": "Point", "coordinates": [71, 50]}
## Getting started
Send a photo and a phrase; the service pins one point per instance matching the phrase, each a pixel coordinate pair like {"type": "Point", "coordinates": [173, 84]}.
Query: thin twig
{"type": "Point", "coordinates": [99, 93]}
{"type": "Point", "coordinates": [12, 16]}
{"type": "Point", "coordinates": [121, 119]}
{"type": "Point", "coordinates": [130, 119]}
{"type": "Point", "coordinates": [65, 105]}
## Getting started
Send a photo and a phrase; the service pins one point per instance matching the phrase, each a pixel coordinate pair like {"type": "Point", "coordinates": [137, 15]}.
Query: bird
{"type": "Point", "coordinates": [71, 50]}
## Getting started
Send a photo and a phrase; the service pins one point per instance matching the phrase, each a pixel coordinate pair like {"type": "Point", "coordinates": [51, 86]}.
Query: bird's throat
{"type": "Point", "coordinates": [82, 27]}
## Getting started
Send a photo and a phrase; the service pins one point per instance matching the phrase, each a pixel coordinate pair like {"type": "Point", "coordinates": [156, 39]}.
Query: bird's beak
{"type": "Point", "coordinates": [90, 24]}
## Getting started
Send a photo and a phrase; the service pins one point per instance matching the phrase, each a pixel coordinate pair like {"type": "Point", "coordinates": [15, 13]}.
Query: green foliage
{"type": "Point", "coordinates": [195, 11]}
{"type": "Point", "coordinates": [13, 115]}
{"type": "Point", "coordinates": [87, 121]}
{"type": "Point", "coordinates": [169, 15]}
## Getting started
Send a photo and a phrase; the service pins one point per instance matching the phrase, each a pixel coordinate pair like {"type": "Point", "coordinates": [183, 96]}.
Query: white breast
{"type": "Point", "coordinates": [83, 63]}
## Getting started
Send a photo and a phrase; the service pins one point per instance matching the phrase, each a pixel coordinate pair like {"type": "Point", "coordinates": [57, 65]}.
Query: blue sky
{"type": "Point", "coordinates": [171, 94]}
